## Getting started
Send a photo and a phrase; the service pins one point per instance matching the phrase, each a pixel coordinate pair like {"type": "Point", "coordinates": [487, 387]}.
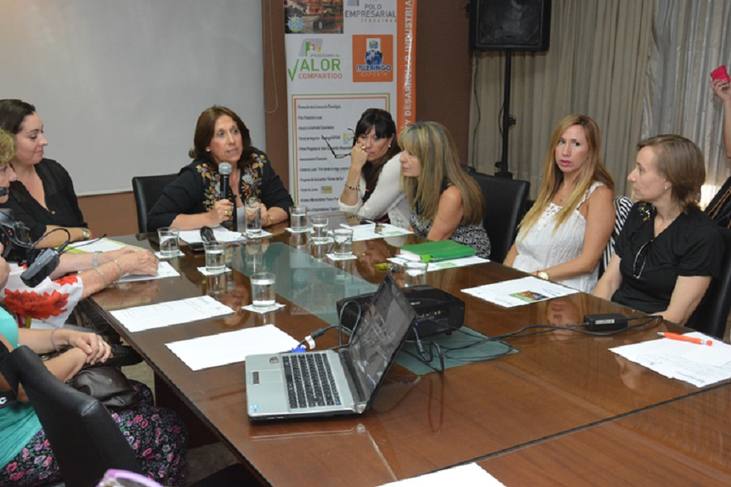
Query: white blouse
{"type": "Point", "coordinates": [544, 246]}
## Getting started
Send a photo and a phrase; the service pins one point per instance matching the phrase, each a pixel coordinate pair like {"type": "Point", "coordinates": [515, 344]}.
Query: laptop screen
{"type": "Point", "coordinates": [384, 323]}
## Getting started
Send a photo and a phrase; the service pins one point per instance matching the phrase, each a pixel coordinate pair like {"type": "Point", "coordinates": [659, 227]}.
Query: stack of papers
{"type": "Point", "coordinates": [96, 245]}
{"type": "Point", "coordinates": [230, 347]}
{"type": "Point", "coordinates": [221, 234]}
{"type": "Point", "coordinates": [164, 269]}
{"type": "Point", "coordinates": [518, 292]}
{"type": "Point", "coordinates": [367, 231]}
{"type": "Point", "coordinates": [443, 264]}
{"type": "Point", "coordinates": [150, 316]}
{"type": "Point", "coordinates": [700, 365]}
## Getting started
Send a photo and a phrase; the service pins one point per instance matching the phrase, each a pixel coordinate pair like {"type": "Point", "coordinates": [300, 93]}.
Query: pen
{"type": "Point", "coordinates": [683, 338]}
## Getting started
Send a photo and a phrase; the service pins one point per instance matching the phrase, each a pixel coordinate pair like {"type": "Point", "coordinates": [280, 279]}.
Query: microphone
{"type": "Point", "coordinates": [207, 235]}
{"type": "Point", "coordinates": [224, 169]}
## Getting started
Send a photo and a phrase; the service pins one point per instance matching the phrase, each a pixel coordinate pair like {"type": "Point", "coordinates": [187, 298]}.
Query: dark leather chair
{"type": "Point", "coordinates": [85, 439]}
{"type": "Point", "coordinates": [712, 312]}
{"type": "Point", "coordinates": [147, 190]}
{"type": "Point", "coordinates": [505, 201]}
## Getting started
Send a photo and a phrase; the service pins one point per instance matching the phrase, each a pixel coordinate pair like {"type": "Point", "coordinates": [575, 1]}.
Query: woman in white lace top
{"type": "Point", "coordinates": [562, 236]}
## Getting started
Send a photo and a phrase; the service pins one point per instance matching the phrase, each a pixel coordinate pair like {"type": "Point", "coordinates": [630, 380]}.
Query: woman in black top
{"type": "Point", "coordinates": [193, 200]}
{"type": "Point", "coordinates": [43, 195]}
{"type": "Point", "coordinates": [668, 250]}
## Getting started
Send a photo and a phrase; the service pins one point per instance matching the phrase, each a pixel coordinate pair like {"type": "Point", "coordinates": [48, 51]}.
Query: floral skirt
{"type": "Point", "coordinates": [156, 435]}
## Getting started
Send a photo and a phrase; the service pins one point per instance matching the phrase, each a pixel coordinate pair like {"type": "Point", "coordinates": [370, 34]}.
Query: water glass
{"type": "Point", "coordinates": [320, 248]}
{"type": "Point", "coordinates": [343, 238]}
{"type": "Point", "coordinates": [415, 273]}
{"type": "Point", "coordinates": [253, 218]}
{"type": "Point", "coordinates": [262, 289]}
{"type": "Point", "coordinates": [168, 238]}
{"type": "Point", "coordinates": [215, 259]}
{"type": "Point", "coordinates": [319, 228]}
{"type": "Point", "coordinates": [298, 218]}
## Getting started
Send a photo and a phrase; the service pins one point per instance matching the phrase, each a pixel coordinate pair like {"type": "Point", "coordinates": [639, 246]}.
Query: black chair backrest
{"type": "Point", "coordinates": [147, 190]}
{"type": "Point", "coordinates": [504, 207]}
{"type": "Point", "coordinates": [85, 439]}
{"type": "Point", "coordinates": [712, 312]}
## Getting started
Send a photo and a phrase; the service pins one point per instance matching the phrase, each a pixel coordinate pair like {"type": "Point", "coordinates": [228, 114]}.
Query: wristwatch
{"type": "Point", "coordinates": [85, 233]}
{"type": "Point", "coordinates": [543, 275]}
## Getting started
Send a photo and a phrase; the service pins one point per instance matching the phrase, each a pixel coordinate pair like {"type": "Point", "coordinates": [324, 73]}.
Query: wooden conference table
{"type": "Point", "coordinates": [531, 417]}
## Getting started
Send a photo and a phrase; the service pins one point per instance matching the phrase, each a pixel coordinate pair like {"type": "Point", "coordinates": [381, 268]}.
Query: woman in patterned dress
{"type": "Point", "coordinates": [193, 199]}
{"type": "Point", "coordinates": [446, 202]}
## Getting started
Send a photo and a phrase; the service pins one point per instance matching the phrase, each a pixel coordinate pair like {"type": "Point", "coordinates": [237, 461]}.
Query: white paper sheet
{"type": "Point", "coordinates": [221, 234]}
{"type": "Point", "coordinates": [445, 264]}
{"type": "Point", "coordinates": [699, 365]}
{"type": "Point", "coordinates": [150, 316]}
{"type": "Point", "coordinates": [517, 292]}
{"type": "Point", "coordinates": [231, 347]}
{"type": "Point", "coordinates": [164, 269]}
{"type": "Point", "coordinates": [471, 475]}
{"type": "Point", "coordinates": [367, 231]}
{"type": "Point", "coordinates": [101, 245]}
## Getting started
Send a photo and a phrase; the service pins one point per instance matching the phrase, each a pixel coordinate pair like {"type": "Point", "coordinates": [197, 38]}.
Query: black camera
{"type": "Point", "coordinates": [16, 240]}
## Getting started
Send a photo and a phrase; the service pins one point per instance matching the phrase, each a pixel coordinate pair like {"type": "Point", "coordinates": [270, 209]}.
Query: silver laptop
{"type": "Point", "coordinates": [331, 382]}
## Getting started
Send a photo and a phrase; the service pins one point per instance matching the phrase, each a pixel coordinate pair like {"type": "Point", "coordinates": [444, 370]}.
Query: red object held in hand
{"type": "Point", "coordinates": [720, 73]}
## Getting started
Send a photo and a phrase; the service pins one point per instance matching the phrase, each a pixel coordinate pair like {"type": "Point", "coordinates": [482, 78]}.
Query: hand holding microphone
{"type": "Point", "coordinates": [225, 169]}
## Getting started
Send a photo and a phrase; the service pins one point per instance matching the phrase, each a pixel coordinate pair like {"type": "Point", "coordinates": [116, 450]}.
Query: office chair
{"type": "Point", "coordinates": [712, 312]}
{"type": "Point", "coordinates": [147, 190]}
{"type": "Point", "coordinates": [85, 439]}
{"type": "Point", "coordinates": [504, 207]}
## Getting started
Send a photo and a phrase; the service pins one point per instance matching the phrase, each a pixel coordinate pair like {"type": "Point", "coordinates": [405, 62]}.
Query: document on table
{"type": "Point", "coordinates": [97, 245]}
{"type": "Point", "coordinates": [700, 365]}
{"type": "Point", "coordinates": [230, 347]}
{"type": "Point", "coordinates": [367, 231]}
{"type": "Point", "coordinates": [221, 234]}
{"type": "Point", "coordinates": [518, 292]}
{"type": "Point", "coordinates": [444, 264]}
{"type": "Point", "coordinates": [140, 318]}
{"type": "Point", "coordinates": [164, 269]}
{"type": "Point", "coordinates": [471, 475]}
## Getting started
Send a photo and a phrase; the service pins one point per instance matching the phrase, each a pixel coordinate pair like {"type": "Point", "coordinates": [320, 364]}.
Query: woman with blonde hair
{"type": "Point", "coordinates": [668, 250]}
{"type": "Point", "coordinates": [446, 202]}
{"type": "Point", "coordinates": [562, 236]}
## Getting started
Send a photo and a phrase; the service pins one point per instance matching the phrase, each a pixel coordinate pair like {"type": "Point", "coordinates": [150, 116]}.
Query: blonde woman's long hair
{"type": "Point", "coordinates": [431, 143]}
{"type": "Point", "coordinates": [592, 170]}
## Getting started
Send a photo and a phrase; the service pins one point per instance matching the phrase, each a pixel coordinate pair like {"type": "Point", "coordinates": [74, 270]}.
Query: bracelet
{"type": "Point", "coordinates": [352, 188]}
{"type": "Point", "coordinates": [85, 233]}
{"type": "Point", "coordinates": [53, 341]}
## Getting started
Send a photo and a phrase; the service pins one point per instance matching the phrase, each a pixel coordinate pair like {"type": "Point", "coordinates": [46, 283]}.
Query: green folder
{"type": "Point", "coordinates": [437, 250]}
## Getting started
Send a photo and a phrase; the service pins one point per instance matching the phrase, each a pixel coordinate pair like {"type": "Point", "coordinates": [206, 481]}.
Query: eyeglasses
{"type": "Point", "coordinates": [641, 259]}
{"type": "Point", "coordinates": [336, 156]}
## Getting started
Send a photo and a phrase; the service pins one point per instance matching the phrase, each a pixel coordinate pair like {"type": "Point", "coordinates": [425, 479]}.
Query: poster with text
{"type": "Point", "coordinates": [342, 57]}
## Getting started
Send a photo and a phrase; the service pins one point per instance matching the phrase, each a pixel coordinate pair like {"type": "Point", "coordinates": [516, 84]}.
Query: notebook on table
{"type": "Point", "coordinates": [437, 250]}
{"type": "Point", "coordinates": [332, 382]}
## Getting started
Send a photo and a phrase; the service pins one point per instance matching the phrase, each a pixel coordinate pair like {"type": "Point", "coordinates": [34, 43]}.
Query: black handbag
{"type": "Point", "coordinates": [107, 384]}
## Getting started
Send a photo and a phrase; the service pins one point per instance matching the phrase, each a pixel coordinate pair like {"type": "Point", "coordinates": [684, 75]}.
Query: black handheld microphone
{"type": "Point", "coordinates": [224, 170]}
{"type": "Point", "coordinates": [207, 234]}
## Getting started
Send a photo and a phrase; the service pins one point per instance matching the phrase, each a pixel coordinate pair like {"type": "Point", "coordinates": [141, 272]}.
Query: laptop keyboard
{"type": "Point", "coordinates": [310, 381]}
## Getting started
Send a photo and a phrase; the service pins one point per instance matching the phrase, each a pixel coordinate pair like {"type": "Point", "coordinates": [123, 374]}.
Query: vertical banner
{"type": "Point", "coordinates": [342, 57]}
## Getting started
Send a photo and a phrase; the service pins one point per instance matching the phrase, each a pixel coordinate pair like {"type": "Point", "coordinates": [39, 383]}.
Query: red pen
{"type": "Point", "coordinates": [683, 338]}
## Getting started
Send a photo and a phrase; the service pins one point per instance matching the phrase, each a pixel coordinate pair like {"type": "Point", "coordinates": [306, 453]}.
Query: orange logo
{"type": "Point", "coordinates": [372, 58]}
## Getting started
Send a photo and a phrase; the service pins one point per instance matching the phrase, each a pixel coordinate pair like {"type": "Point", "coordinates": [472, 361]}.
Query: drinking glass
{"type": "Point", "coordinates": [262, 289]}
{"type": "Point", "coordinates": [343, 238]}
{"type": "Point", "coordinates": [215, 258]}
{"type": "Point", "coordinates": [415, 273]}
{"type": "Point", "coordinates": [253, 218]}
{"type": "Point", "coordinates": [319, 228]}
{"type": "Point", "coordinates": [298, 218]}
{"type": "Point", "coordinates": [168, 242]}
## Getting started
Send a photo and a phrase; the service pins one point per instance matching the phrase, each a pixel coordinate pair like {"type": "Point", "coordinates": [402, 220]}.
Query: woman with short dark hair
{"type": "Point", "coordinates": [668, 250]}
{"type": "Point", "coordinates": [193, 199]}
